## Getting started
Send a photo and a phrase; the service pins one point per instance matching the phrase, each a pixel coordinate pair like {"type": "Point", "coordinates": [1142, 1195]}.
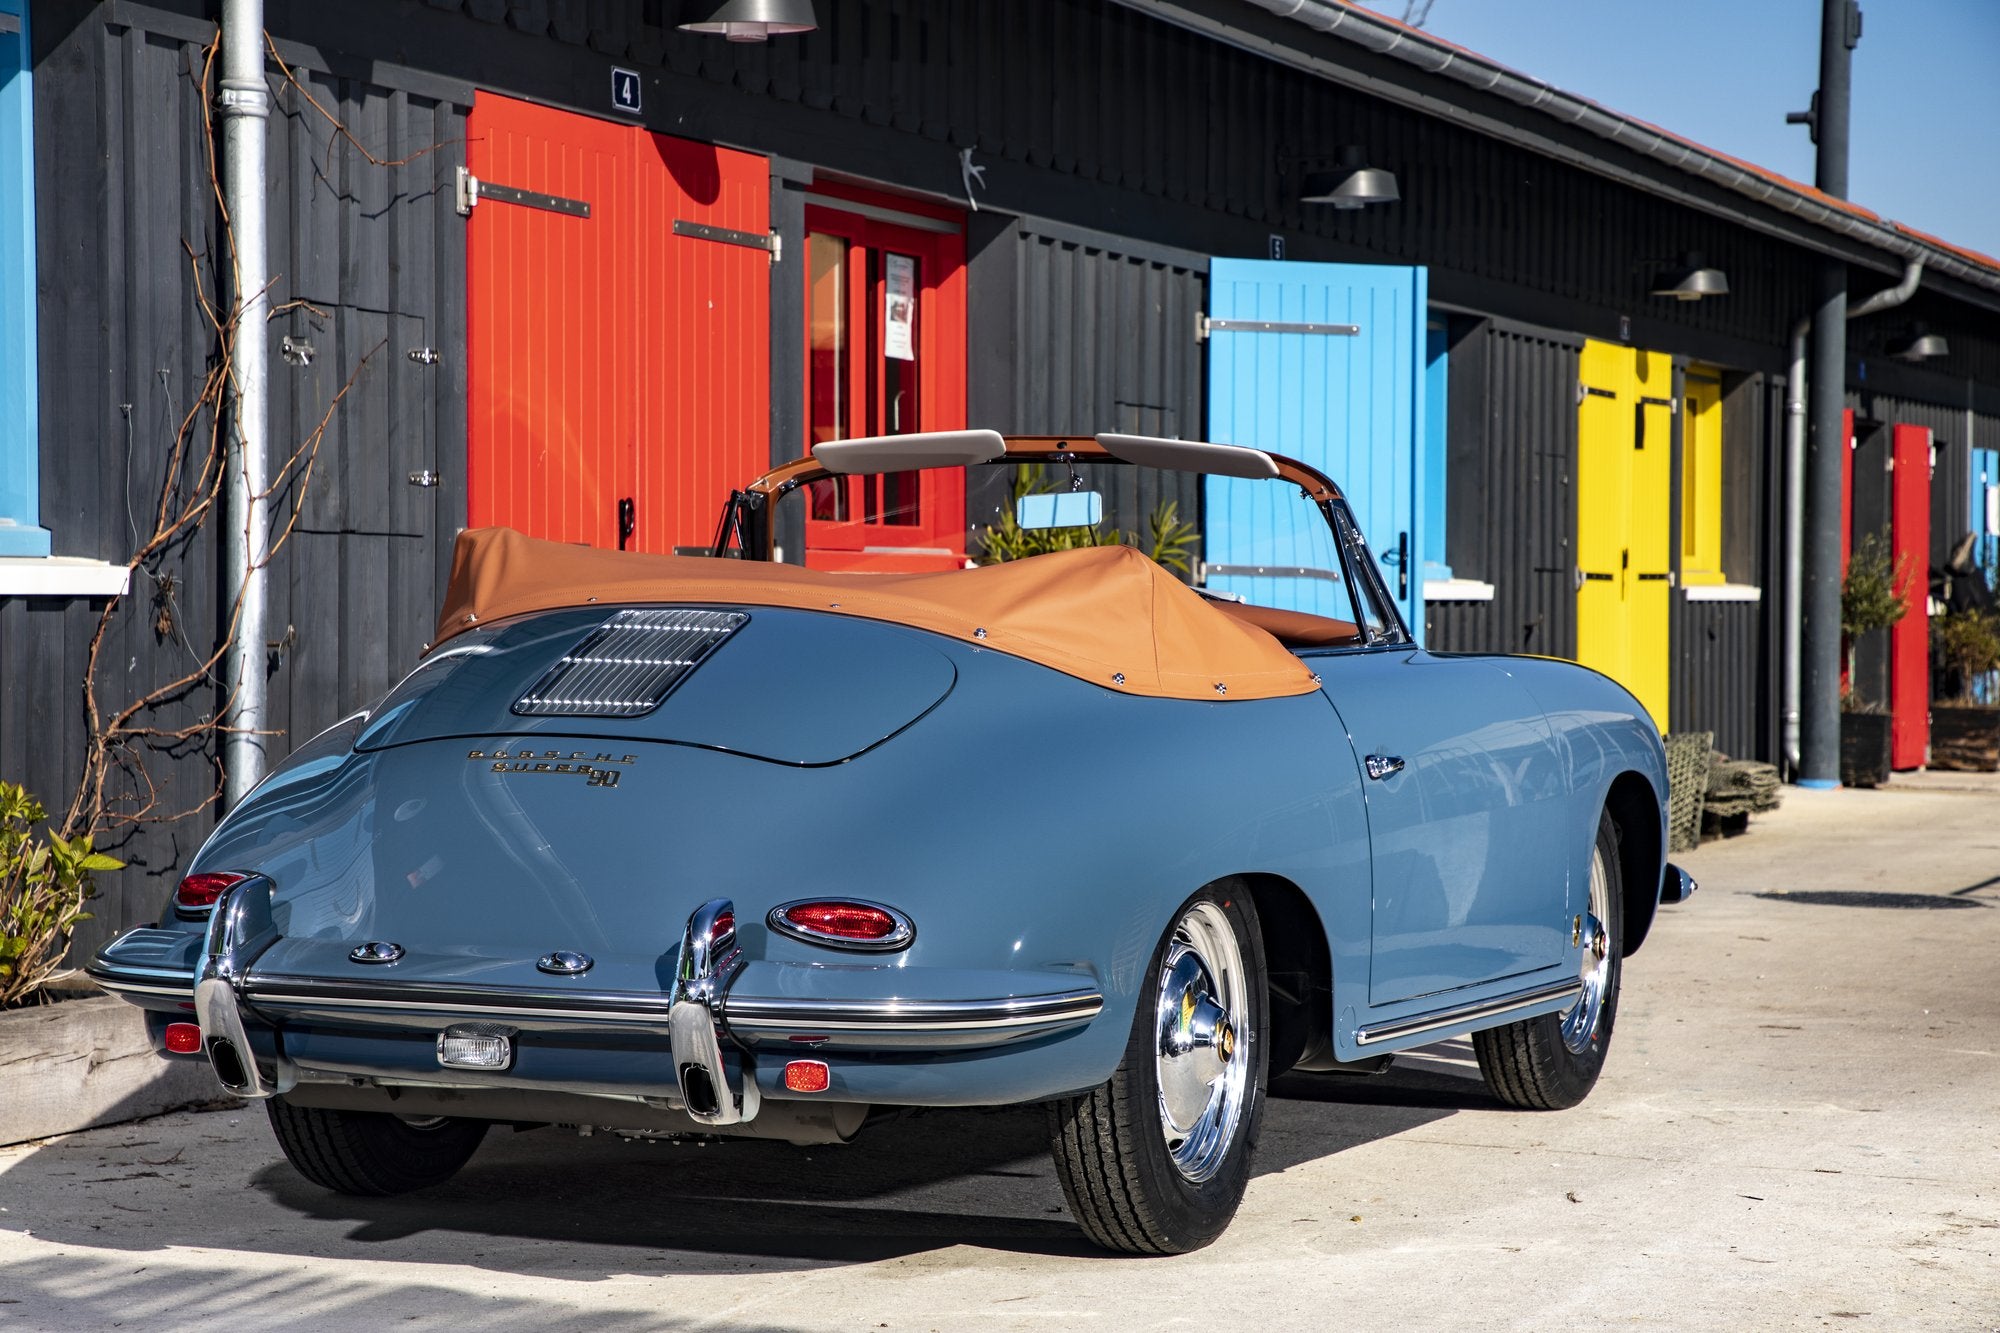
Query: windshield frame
{"type": "Point", "coordinates": [746, 516]}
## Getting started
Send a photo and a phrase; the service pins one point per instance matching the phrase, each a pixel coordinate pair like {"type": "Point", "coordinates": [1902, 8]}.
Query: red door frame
{"type": "Point", "coordinates": [937, 540]}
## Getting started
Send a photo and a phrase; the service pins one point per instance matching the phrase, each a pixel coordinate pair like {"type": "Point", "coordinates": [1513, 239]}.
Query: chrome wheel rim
{"type": "Point", "coordinates": [1202, 1056]}
{"type": "Point", "coordinates": [1579, 1021]}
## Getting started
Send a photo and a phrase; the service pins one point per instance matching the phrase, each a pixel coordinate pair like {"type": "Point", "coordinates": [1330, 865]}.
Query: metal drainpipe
{"type": "Point", "coordinates": [245, 104]}
{"type": "Point", "coordinates": [1795, 491]}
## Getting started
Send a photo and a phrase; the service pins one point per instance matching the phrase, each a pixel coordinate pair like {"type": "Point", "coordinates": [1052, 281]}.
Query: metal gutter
{"type": "Point", "coordinates": [245, 103]}
{"type": "Point", "coordinates": [1385, 37]}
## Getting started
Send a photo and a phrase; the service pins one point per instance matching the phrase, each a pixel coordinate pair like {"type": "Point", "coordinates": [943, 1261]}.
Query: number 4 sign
{"type": "Point", "coordinates": [625, 90]}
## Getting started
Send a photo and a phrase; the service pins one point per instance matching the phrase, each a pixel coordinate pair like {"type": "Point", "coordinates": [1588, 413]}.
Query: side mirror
{"type": "Point", "coordinates": [1066, 509]}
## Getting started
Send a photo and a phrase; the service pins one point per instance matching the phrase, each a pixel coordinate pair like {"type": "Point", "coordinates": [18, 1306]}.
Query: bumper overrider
{"type": "Point", "coordinates": [721, 1012]}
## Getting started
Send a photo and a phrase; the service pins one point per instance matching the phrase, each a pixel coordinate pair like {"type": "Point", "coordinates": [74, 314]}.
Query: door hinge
{"type": "Point", "coordinates": [426, 477]}
{"type": "Point", "coordinates": [769, 242]}
{"type": "Point", "coordinates": [424, 356]}
{"type": "Point", "coordinates": [1203, 326]}
{"type": "Point", "coordinates": [468, 190]}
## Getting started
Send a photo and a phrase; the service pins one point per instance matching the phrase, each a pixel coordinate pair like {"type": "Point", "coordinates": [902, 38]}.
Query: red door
{"type": "Point", "coordinates": [885, 355]}
{"type": "Point", "coordinates": [1909, 638]}
{"type": "Point", "coordinates": [618, 381]}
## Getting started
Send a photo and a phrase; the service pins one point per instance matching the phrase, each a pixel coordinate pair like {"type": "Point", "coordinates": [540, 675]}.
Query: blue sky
{"type": "Point", "coordinates": [1926, 126]}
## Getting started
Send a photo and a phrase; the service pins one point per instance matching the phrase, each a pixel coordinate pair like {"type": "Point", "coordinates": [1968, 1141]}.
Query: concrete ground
{"type": "Point", "coordinates": [1799, 1128]}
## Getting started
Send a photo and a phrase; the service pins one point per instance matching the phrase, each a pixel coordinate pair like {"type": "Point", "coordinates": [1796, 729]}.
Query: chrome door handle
{"type": "Point", "coordinates": [1380, 766]}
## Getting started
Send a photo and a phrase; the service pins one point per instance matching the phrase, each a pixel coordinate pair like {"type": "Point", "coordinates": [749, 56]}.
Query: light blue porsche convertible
{"type": "Point", "coordinates": [728, 846]}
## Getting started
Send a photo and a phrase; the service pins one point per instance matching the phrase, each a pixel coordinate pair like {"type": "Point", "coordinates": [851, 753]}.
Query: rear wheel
{"type": "Point", "coordinates": [1156, 1160]}
{"type": "Point", "coordinates": [372, 1152]}
{"type": "Point", "coordinates": [1552, 1062]}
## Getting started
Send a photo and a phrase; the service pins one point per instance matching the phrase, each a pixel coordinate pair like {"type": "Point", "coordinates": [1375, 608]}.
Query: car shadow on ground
{"type": "Point", "coordinates": [916, 1183]}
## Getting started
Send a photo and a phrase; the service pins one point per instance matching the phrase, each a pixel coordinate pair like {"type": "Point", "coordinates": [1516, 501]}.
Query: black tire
{"type": "Point", "coordinates": [372, 1152]}
{"type": "Point", "coordinates": [1528, 1064]}
{"type": "Point", "coordinates": [1111, 1144]}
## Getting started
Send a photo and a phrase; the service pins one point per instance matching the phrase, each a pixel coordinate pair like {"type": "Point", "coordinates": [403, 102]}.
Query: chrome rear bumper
{"type": "Point", "coordinates": [720, 1014]}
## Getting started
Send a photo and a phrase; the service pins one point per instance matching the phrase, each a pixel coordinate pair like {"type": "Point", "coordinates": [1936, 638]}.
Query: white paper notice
{"type": "Point", "coordinates": [900, 317]}
{"type": "Point", "coordinates": [1993, 511]}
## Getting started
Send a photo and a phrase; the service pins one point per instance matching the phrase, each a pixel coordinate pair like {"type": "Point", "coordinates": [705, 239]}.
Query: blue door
{"type": "Point", "coordinates": [1324, 362]}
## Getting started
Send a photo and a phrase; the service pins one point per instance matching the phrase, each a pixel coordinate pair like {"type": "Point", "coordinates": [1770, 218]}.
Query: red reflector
{"type": "Point", "coordinates": [183, 1038]}
{"type": "Point", "coordinates": [723, 929]}
{"type": "Point", "coordinates": [198, 891]}
{"type": "Point", "coordinates": [847, 921]}
{"type": "Point", "coordinates": [806, 1076]}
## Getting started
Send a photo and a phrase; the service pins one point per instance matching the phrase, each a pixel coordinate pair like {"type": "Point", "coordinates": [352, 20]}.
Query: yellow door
{"type": "Point", "coordinates": [1701, 477]}
{"type": "Point", "coordinates": [1603, 502]}
{"type": "Point", "coordinates": [1624, 529]}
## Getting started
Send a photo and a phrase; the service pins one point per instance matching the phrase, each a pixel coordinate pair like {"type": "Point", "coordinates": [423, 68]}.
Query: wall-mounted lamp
{"type": "Point", "coordinates": [1919, 345]}
{"type": "Point", "coordinates": [1351, 184]}
{"type": "Point", "coordinates": [1689, 280]}
{"type": "Point", "coordinates": [750, 20]}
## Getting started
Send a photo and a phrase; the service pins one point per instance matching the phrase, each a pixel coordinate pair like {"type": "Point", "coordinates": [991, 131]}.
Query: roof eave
{"type": "Point", "coordinates": [1834, 227]}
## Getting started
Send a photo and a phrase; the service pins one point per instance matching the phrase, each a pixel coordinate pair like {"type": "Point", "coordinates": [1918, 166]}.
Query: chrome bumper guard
{"type": "Point", "coordinates": [1676, 885]}
{"type": "Point", "coordinates": [709, 962]}
{"type": "Point", "coordinates": [239, 931]}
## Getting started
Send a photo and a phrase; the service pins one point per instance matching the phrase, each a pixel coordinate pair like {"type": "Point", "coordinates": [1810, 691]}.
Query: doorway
{"type": "Point", "coordinates": [885, 355]}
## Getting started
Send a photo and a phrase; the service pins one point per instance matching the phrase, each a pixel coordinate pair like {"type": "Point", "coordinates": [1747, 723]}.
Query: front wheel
{"type": "Point", "coordinates": [1552, 1062]}
{"type": "Point", "coordinates": [1155, 1161]}
{"type": "Point", "coordinates": [372, 1152]}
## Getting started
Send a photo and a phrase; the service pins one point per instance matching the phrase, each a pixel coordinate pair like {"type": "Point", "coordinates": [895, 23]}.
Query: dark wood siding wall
{"type": "Point", "coordinates": [1112, 119]}
{"type": "Point", "coordinates": [1077, 332]}
{"type": "Point", "coordinates": [1728, 654]}
{"type": "Point", "coordinates": [1718, 650]}
{"type": "Point", "coordinates": [368, 267]}
{"type": "Point", "coordinates": [1510, 502]}
{"type": "Point", "coordinates": [1951, 471]}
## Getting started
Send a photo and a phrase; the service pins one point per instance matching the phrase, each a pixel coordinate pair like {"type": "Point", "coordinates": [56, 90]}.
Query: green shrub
{"type": "Point", "coordinates": [1876, 592]}
{"type": "Point", "coordinates": [44, 883]}
{"type": "Point", "coordinates": [1874, 595]}
{"type": "Point", "coordinates": [1968, 642]}
{"type": "Point", "coordinates": [1169, 541]}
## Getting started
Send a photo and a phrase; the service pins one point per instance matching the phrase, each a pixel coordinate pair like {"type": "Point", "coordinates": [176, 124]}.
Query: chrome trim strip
{"type": "Point", "coordinates": [1016, 1011]}
{"type": "Point", "coordinates": [120, 986]}
{"type": "Point", "coordinates": [182, 975]}
{"type": "Point", "coordinates": [308, 1000]}
{"type": "Point", "coordinates": [266, 988]}
{"type": "Point", "coordinates": [1470, 1013]}
{"type": "Point", "coordinates": [742, 1011]}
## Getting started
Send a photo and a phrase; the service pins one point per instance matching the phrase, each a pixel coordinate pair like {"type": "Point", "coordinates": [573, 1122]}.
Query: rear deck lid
{"type": "Point", "coordinates": [793, 687]}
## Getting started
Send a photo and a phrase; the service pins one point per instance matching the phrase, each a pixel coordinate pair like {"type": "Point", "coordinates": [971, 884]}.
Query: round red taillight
{"type": "Point", "coordinates": [807, 1076]}
{"type": "Point", "coordinates": [198, 893]}
{"type": "Point", "coordinates": [844, 923]}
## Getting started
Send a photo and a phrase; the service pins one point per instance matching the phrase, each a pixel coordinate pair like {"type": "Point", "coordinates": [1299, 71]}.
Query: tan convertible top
{"type": "Point", "coordinates": [1104, 614]}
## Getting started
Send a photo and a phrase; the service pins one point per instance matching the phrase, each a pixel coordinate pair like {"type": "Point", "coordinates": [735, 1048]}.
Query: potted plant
{"type": "Point", "coordinates": [1873, 596]}
{"type": "Point", "coordinates": [1965, 729]}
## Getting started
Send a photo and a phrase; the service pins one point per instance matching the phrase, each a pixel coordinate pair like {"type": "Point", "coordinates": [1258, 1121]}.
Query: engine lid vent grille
{"type": "Point", "coordinates": [628, 665]}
